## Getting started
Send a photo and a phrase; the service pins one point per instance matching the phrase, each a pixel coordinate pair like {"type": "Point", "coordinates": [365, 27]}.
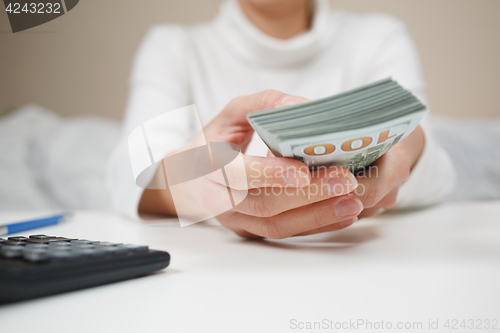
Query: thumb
{"type": "Point", "coordinates": [231, 124]}
{"type": "Point", "coordinates": [236, 111]}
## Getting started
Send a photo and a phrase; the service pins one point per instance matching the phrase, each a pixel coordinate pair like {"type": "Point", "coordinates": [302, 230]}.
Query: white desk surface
{"type": "Point", "coordinates": [438, 264]}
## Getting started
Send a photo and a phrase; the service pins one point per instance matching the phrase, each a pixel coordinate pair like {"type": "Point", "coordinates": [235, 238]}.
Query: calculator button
{"type": "Point", "coordinates": [109, 244]}
{"type": "Point", "coordinates": [67, 253]}
{"type": "Point", "coordinates": [11, 253]}
{"type": "Point", "coordinates": [142, 248]}
{"type": "Point", "coordinates": [108, 249]}
{"type": "Point", "coordinates": [54, 239]}
{"type": "Point", "coordinates": [59, 249]}
{"type": "Point", "coordinates": [18, 238]}
{"type": "Point", "coordinates": [60, 255]}
{"type": "Point", "coordinates": [41, 236]}
{"type": "Point", "coordinates": [84, 252]}
{"type": "Point", "coordinates": [35, 255]}
{"type": "Point", "coordinates": [80, 241]}
{"type": "Point", "coordinates": [123, 249]}
{"type": "Point", "coordinates": [36, 249]}
{"type": "Point", "coordinates": [106, 244]}
{"type": "Point", "coordinates": [12, 247]}
{"type": "Point", "coordinates": [42, 241]}
{"type": "Point", "coordinates": [37, 241]}
{"type": "Point", "coordinates": [36, 246]}
{"type": "Point", "coordinates": [59, 244]}
{"type": "Point", "coordinates": [64, 239]}
{"type": "Point", "coordinates": [11, 242]}
{"type": "Point", "coordinates": [82, 246]}
{"type": "Point", "coordinates": [137, 248]}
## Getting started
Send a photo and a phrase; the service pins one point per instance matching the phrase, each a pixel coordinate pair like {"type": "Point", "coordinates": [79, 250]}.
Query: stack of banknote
{"type": "Point", "coordinates": [351, 129]}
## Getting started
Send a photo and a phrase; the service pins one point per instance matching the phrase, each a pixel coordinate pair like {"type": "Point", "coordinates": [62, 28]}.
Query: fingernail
{"type": "Point", "coordinates": [291, 100]}
{"type": "Point", "coordinates": [349, 207]}
{"type": "Point", "coordinates": [296, 178]}
{"type": "Point", "coordinates": [341, 185]}
{"type": "Point", "coordinates": [343, 224]}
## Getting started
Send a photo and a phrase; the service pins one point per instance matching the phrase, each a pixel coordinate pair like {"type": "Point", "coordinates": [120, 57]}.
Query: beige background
{"type": "Point", "coordinates": [79, 63]}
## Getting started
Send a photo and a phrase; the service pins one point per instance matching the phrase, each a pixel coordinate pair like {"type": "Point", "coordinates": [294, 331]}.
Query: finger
{"type": "Point", "coordinates": [369, 212]}
{"type": "Point", "coordinates": [386, 174]}
{"type": "Point", "coordinates": [298, 220]}
{"type": "Point", "coordinates": [389, 200]}
{"type": "Point", "coordinates": [271, 201]}
{"type": "Point", "coordinates": [332, 227]}
{"type": "Point", "coordinates": [233, 117]}
{"type": "Point", "coordinates": [239, 107]}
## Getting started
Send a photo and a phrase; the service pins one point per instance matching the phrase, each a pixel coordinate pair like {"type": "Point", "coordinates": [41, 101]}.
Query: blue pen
{"type": "Point", "coordinates": [13, 228]}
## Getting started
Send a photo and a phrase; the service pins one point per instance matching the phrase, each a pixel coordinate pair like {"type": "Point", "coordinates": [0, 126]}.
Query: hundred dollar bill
{"type": "Point", "coordinates": [352, 129]}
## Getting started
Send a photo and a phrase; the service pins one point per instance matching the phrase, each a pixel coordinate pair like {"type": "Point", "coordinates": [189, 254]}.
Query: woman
{"type": "Point", "coordinates": [300, 49]}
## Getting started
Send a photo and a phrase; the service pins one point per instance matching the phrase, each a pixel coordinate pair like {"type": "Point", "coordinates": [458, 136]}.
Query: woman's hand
{"type": "Point", "coordinates": [285, 198]}
{"type": "Point", "coordinates": [378, 187]}
{"type": "Point", "coordinates": [265, 214]}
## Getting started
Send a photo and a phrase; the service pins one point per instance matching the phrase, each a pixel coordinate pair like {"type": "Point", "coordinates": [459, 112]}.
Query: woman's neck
{"type": "Point", "coordinates": [283, 19]}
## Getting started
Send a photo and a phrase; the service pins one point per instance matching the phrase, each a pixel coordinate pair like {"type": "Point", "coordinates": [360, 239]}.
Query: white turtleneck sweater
{"type": "Point", "coordinates": [211, 63]}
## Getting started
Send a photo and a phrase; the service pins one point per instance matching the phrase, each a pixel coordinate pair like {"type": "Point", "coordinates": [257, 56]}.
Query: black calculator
{"type": "Point", "coordinates": [41, 265]}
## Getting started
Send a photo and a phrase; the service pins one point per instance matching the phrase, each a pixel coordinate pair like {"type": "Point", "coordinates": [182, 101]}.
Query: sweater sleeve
{"type": "Point", "coordinates": [432, 178]}
{"type": "Point", "coordinates": [158, 84]}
